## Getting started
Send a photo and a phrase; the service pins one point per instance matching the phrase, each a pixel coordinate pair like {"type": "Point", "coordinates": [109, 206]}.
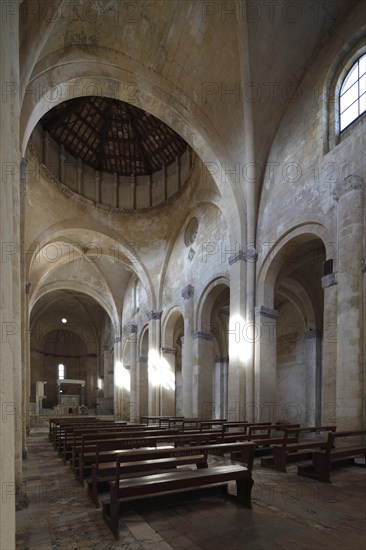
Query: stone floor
{"type": "Point", "coordinates": [289, 512]}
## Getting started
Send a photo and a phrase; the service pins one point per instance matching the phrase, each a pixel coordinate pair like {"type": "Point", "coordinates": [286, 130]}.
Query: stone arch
{"type": "Point", "coordinates": [212, 321]}
{"type": "Point", "coordinates": [275, 257]}
{"type": "Point", "coordinates": [289, 321]}
{"type": "Point", "coordinates": [74, 342]}
{"type": "Point", "coordinates": [168, 323]}
{"type": "Point", "coordinates": [207, 299]}
{"type": "Point", "coordinates": [76, 77]}
{"type": "Point", "coordinates": [171, 352]}
{"type": "Point", "coordinates": [109, 307]}
{"type": "Point", "coordinates": [111, 245]}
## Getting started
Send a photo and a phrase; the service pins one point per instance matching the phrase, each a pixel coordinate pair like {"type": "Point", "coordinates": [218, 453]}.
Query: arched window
{"type": "Point", "coordinates": [352, 96]}
{"type": "Point", "coordinates": [61, 371]}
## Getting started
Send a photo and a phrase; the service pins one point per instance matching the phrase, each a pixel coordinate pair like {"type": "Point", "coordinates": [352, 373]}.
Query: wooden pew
{"type": "Point", "coordinates": [142, 466]}
{"type": "Point", "coordinates": [264, 439]}
{"type": "Point", "coordinates": [104, 471]}
{"type": "Point", "coordinates": [85, 438]}
{"type": "Point", "coordinates": [57, 426]}
{"type": "Point", "coordinates": [123, 490]}
{"type": "Point", "coordinates": [63, 429]}
{"type": "Point", "coordinates": [207, 424]}
{"type": "Point", "coordinates": [231, 431]}
{"type": "Point", "coordinates": [297, 450]}
{"type": "Point", "coordinates": [324, 460]}
{"type": "Point", "coordinates": [87, 457]}
{"type": "Point", "coordinates": [53, 422]}
{"type": "Point", "coordinates": [159, 420]}
{"type": "Point", "coordinates": [73, 434]}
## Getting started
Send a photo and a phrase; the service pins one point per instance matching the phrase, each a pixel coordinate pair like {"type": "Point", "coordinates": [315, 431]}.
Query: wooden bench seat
{"type": "Point", "coordinates": [75, 437]}
{"type": "Point", "coordinates": [85, 457]}
{"type": "Point", "coordinates": [106, 474]}
{"type": "Point", "coordinates": [87, 442]}
{"type": "Point", "coordinates": [172, 482]}
{"type": "Point", "coordinates": [102, 468]}
{"type": "Point", "coordinates": [297, 450]}
{"type": "Point", "coordinates": [324, 460]}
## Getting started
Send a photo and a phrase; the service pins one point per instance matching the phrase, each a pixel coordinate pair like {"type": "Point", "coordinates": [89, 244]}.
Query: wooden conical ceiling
{"type": "Point", "coordinates": [113, 136]}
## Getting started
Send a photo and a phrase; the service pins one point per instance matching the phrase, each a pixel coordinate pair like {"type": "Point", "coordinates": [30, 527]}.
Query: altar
{"type": "Point", "coordinates": [70, 400]}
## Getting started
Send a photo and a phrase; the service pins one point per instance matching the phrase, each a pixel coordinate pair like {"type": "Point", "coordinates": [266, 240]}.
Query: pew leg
{"type": "Point", "coordinates": [244, 491]}
{"type": "Point", "coordinates": [279, 459]}
{"type": "Point", "coordinates": [114, 511]}
{"type": "Point", "coordinates": [321, 467]}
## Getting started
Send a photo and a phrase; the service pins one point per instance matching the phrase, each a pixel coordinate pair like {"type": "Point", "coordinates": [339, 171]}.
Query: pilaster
{"type": "Point", "coordinates": [187, 294]}
{"type": "Point", "coordinates": [350, 196]}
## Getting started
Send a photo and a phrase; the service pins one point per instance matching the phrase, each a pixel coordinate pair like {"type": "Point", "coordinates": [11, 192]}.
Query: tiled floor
{"type": "Point", "coordinates": [289, 513]}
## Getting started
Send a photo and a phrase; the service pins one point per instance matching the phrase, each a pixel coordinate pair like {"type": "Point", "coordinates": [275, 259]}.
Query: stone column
{"type": "Point", "coordinates": [312, 360]}
{"type": "Point", "coordinates": [118, 379]}
{"type": "Point", "coordinates": [82, 394]}
{"type": "Point", "coordinates": [204, 405]}
{"type": "Point", "coordinates": [265, 364]}
{"type": "Point", "coordinates": [187, 294]}
{"type": "Point", "coordinates": [239, 407]}
{"type": "Point", "coordinates": [10, 319]}
{"type": "Point", "coordinates": [25, 352]}
{"type": "Point", "coordinates": [221, 370]}
{"type": "Point", "coordinates": [18, 305]}
{"type": "Point", "coordinates": [26, 361]}
{"type": "Point", "coordinates": [104, 373]}
{"type": "Point", "coordinates": [328, 402]}
{"type": "Point", "coordinates": [168, 382]}
{"type": "Point", "coordinates": [142, 387]}
{"type": "Point", "coordinates": [350, 197]}
{"type": "Point", "coordinates": [131, 349]}
{"type": "Point", "coordinates": [154, 362]}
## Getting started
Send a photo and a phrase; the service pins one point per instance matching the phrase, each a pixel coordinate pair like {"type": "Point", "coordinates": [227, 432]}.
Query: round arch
{"type": "Point", "coordinates": [109, 307]}
{"type": "Point", "coordinates": [168, 324]}
{"type": "Point", "coordinates": [77, 77]}
{"type": "Point", "coordinates": [207, 299]}
{"type": "Point", "coordinates": [112, 245]}
{"type": "Point", "coordinates": [276, 257]}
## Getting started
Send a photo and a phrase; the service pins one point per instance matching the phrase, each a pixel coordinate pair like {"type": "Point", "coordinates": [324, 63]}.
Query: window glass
{"type": "Point", "coordinates": [352, 94]}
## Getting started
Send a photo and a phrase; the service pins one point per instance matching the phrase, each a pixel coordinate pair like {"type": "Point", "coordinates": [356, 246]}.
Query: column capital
{"type": "Point", "coordinates": [205, 336]}
{"type": "Point", "coordinates": [350, 183]}
{"type": "Point", "coordinates": [266, 312]}
{"type": "Point", "coordinates": [168, 351]}
{"type": "Point", "coordinates": [131, 328]}
{"type": "Point", "coordinates": [117, 339]}
{"type": "Point", "coordinates": [313, 333]}
{"type": "Point", "coordinates": [187, 292]}
{"type": "Point", "coordinates": [248, 254]}
{"type": "Point", "coordinates": [154, 315]}
{"type": "Point", "coordinates": [329, 280]}
{"type": "Point", "coordinates": [234, 258]}
{"type": "Point", "coordinates": [221, 360]}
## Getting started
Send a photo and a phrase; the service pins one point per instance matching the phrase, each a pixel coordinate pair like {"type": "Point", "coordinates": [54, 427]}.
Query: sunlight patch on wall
{"type": "Point", "coordinates": [122, 377]}
{"type": "Point", "coordinates": [160, 372]}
